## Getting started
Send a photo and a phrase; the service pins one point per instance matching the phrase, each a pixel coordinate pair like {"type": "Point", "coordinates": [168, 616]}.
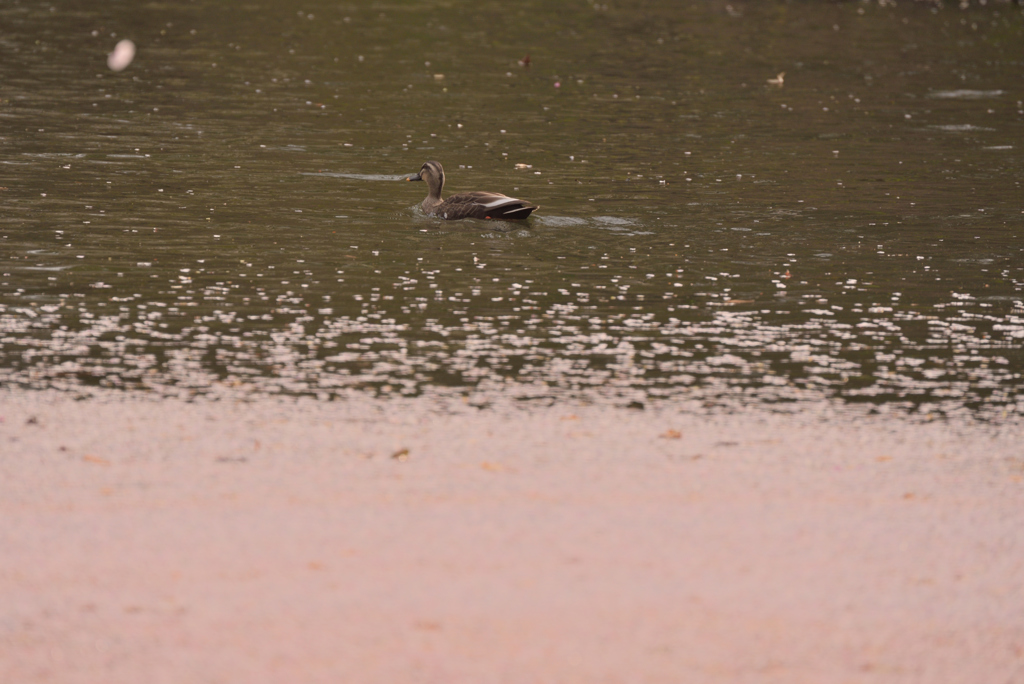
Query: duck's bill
{"type": "Point", "coordinates": [413, 177]}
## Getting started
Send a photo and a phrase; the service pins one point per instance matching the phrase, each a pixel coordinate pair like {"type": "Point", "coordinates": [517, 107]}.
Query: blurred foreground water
{"type": "Point", "coordinates": [220, 218]}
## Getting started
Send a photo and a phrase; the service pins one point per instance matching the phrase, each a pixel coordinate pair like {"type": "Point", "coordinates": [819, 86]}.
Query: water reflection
{"type": "Point", "coordinates": [219, 218]}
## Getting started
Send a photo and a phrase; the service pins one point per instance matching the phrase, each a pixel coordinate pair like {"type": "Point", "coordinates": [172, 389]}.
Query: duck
{"type": "Point", "coordinates": [478, 205]}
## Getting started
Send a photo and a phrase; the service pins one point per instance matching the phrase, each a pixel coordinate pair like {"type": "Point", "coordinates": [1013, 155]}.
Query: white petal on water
{"type": "Point", "coordinates": [122, 56]}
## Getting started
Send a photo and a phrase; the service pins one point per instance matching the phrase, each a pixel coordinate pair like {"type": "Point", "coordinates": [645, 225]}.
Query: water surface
{"type": "Point", "coordinates": [223, 217]}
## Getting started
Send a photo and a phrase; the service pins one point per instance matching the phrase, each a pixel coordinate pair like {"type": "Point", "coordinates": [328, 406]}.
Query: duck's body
{"type": "Point", "coordinates": [479, 205]}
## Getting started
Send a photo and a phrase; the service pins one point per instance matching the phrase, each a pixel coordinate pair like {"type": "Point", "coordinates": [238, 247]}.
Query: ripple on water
{"type": "Point", "coordinates": [959, 128]}
{"type": "Point", "coordinates": [965, 94]}
{"type": "Point", "coordinates": [614, 224]}
{"type": "Point", "coordinates": [559, 221]}
{"type": "Point", "coordinates": [357, 176]}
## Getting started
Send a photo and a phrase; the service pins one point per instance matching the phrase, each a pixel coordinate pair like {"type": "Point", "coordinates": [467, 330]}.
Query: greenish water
{"type": "Point", "coordinates": [221, 217]}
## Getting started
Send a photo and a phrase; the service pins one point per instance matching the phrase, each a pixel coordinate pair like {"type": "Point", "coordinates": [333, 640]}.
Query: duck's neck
{"type": "Point", "coordinates": [434, 190]}
{"type": "Point", "coordinates": [433, 197]}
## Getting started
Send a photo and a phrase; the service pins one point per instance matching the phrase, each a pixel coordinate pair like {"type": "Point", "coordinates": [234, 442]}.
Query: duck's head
{"type": "Point", "coordinates": [433, 174]}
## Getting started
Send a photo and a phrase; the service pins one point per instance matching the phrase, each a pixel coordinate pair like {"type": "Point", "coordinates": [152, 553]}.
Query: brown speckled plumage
{"type": "Point", "coordinates": [479, 205]}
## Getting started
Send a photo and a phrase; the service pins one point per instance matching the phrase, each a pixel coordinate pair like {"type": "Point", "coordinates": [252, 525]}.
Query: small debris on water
{"type": "Point", "coordinates": [122, 56]}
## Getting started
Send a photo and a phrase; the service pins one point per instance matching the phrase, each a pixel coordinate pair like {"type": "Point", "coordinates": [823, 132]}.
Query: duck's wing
{"type": "Point", "coordinates": [484, 205]}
